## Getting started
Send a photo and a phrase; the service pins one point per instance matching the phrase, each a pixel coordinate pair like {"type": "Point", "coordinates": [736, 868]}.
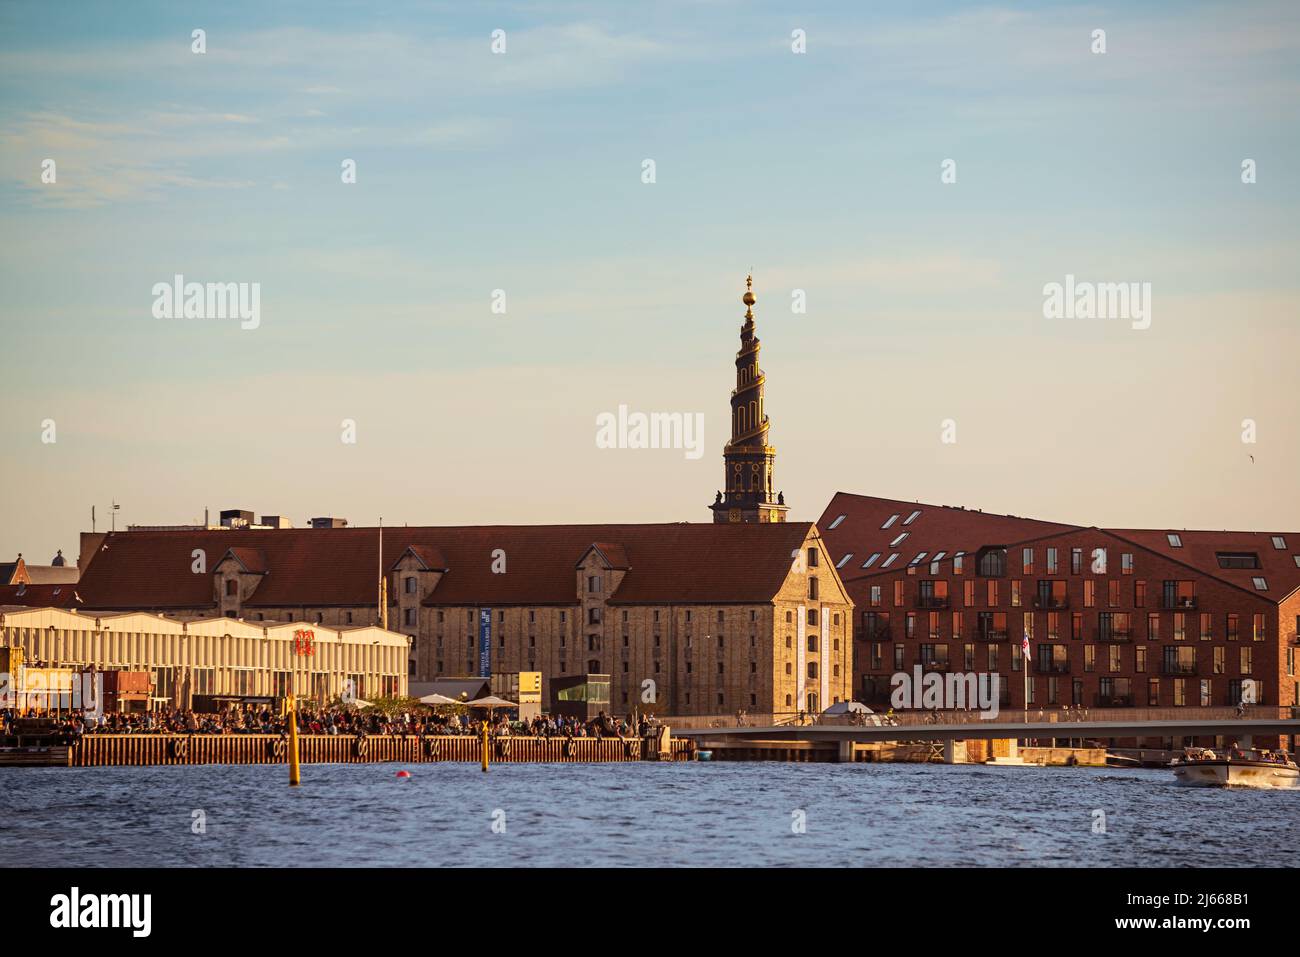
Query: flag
{"type": "Point", "coordinates": [1024, 645]}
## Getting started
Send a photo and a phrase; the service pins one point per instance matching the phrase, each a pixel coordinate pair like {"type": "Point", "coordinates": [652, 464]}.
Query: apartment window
{"type": "Point", "coordinates": [1175, 541]}
{"type": "Point", "coordinates": [1180, 692]}
{"type": "Point", "coordinates": [890, 521]}
{"type": "Point", "coordinates": [1153, 626]}
{"type": "Point", "coordinates": [898, 593]}
{"type": "Point", "coordinates": [1139, 594]}
{"type": "Point", "coordinates": [1153, 692]}
{"type": "Point", "coordinates": [1112, 593]}
{"type": "Point", "coordinates": [1259, 583]}
{"type": "Point", "coordinates": [877, 652]}
{"type": "Point", "coordinates": [1027, 560]}
{"type": "Point", "coordinates": [1076, 561]}
{"type": "Point", "coordinates": [1015, 592]}
{"type": "Point", "coordinates": [1089, 657]}
{"type": "Point", "coordinates": [1220, 653]}
{"type": "Point", "coordinates": [409, 585]}
{"type": "Point", "coordinates": [812, 590]}
{"type": "Point", "coordinates": [958, 562]}
{"type": "Point", "coordinates": [812, 669]}
{"type": "Point", "coordinates": [911, 624]}
{"type": "Point", "coordinates": [1259, 627]}
{"type": "Point", "coordinates": [1237, 559]}
{"type": "Point", "coordinates": [934, 625]}
{"type": "Point", "coordinates": [1051, 561]}
{"type": "Point", "coordinates": [993, 563]}
{"type": "Point", "coordinates": [1180, 626]}
{"type": "Point", "coordinates": [593, 583]}
{"type": "Point", "coordinates": [1140, 659]}
{"type": "Point", "coordinates": [1053, 625]}
{"type": "Point", "coordinates": [898, 657]}
{"type": "Point", "coordinates": [1126, 563]}
{"type": "Point", "coordinates": [1089, 593]}
{"type": "Point", "coordinates": [920, 556]}
{"type": "Point", "coordinates": [812, 643]}
{"type": "Point", "coordinates": [968, 657]}
{"type": "Point", "coordinates": [875, 598]}
{"type": "Point", "coordinates": [1234, 624]}
{"type": "Point", "coordinates": [812, 616]}
{"type": "Point", "coordinates": [1116, 658]}
{"type": "Point", "coordinates": [991, 593]}
{"type": "Point", "coordinates": [1279, 543]}
{"type": "Point", "coordinates": [1246, 655]}
{"type": "Point", "coordinates": [969, 593]}
{"type": "Point", "coordinates": [593, 616]}
{"type": "Point", "coordinates": [957, 624]}
{"type": "Point", "coordinates": [1207, 628]}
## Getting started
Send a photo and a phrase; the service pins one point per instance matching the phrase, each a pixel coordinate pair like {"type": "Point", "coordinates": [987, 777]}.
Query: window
{"type": "Point", "coordinates": [958, 560]}
{"type": "Point", "coordinates": [836, 523]}
{"type": "Point", "coordinates": [1027, 560]}
{"type": "Point", "coordinates": [812, 558]}
{"type": "Point", "coordinates": [875, 599]}
{"type": "Point", "coordinates": [913, 517]}
{"type": "Point", "coordinates": [1260, 583]}
{"type": "Point", "coordinates": [1175, 541]}
{"type": "Point", "coordinates": [812, 590]}
{"type": "Point", "coordinates": [898, 593]}
{"type": "Point", "coordinates": [1126, 563]}
{"type": "Point", "coordinates": [1139, 594]}
{"type": "Point", "coordinates": [593, 583]}
{"type": "Point", "coordinates": [812, 616]}
{"type": "Point", "coordinates": [917, 560]}
{"type": "Point", "coordinates": [899, 540]}
{"type": "Point", "coordinates": [871, 560]}
{"type": "Point", "coordinates": [890, 521]}
{"type": "Point", "coordinates": [889, 560]}
{"type": "Point", "coordinates": [812, 669]}
{"type": "Point", "coordinates": [409, 585]}
{"type": "Point", "coordinates": [993, 562]}
{"type": "Point", "coordinates": [1051, 561]}
{"type": "Point", "coordinates": [1279, 543]}
{"type": "Point", "coordinates": [1259, 627]}
{"type": "Point", "coordinates": [1237, 559]}
{"type": "Point", "coordinates": [232, 586]}
{"type": "Point", "coordinates": [812, 643]}
{"type": "Point", "coordinates": [1076, 560]}
{"type": "Point", "coordinates": [844, 561]}
{"type": "Point", "coordinates": [1233, 627]}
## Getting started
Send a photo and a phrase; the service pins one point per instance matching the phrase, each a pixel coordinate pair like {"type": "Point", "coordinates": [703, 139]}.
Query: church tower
{"type": "Point", "coordinates": [748, 468]}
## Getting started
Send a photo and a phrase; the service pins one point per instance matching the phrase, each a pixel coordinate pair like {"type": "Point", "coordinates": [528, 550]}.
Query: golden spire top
{"type": "Point", "coordinates": [748, 298]}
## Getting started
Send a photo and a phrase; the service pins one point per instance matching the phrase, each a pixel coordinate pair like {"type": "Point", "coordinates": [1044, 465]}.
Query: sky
{"type": "Point", "coordinates": [487, 178]}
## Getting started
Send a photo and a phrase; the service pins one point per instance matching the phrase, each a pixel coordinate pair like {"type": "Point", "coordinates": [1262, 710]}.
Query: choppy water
{"type": "Point", "coordinates": [729, 814]}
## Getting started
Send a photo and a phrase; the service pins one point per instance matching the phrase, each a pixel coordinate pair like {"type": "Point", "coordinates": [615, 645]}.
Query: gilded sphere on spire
{"type": "Point", "coordinates": [748, 298]}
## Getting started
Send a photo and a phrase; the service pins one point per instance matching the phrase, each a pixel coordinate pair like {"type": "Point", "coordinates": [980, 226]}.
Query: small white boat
{"type": "Point", "coordinates": [1200, 767]}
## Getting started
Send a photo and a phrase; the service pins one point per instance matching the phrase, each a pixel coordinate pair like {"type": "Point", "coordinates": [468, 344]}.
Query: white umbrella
{"type": "Point", "coordinates": [357, 703]}
{"type": "Point", "coordinates": [436, 698]}
{"type": "Point", "coordinates": [491, 701]}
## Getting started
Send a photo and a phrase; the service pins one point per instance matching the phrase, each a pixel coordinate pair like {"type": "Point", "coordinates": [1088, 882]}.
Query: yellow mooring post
{"type": "Point", "coordinates": [485, 746]}
{"type": "Point", "coordinates": [294, 777]}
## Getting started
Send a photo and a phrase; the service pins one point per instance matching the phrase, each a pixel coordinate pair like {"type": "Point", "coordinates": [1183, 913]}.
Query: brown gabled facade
{"type": "Point", "coordinates": [1115, 617]}
{"type": "Point", "coordinates": [689, 618]}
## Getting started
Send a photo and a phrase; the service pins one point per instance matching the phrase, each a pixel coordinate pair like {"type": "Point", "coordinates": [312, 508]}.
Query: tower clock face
{"type": "Point", "coordinates": [734, 515]}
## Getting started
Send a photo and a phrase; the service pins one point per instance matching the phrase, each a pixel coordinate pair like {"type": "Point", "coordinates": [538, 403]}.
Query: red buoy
{"type": "Point", "coordinates": [403, 774]}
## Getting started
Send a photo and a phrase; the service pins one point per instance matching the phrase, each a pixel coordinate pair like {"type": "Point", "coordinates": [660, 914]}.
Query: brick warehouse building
{"type": "Point", "coordinates": [1115, 617]}
{"type": "Point", "coordinates": [720, 617]}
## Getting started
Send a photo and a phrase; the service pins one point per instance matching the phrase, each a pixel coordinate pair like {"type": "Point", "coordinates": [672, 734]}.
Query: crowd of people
{"type": "Point", "coordinates": [331, 721]}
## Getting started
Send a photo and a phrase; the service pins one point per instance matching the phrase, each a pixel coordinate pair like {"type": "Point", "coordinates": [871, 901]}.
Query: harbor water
{"type": "Point", "coordinates": [634, 815]}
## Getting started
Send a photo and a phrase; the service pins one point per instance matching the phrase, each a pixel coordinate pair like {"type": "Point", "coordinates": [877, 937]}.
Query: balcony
{"type": "Point", "coordinates": [1181, 603]}
{"type": "Point", "coordinates": [933, 601]}
{"type": "Point", "coordinates": [1113, 701]}
{"type": "Point", "coordinates": [992, 635]}
{"type": "Point", "coordinates": [1052, 667]}
{"type": "Point", "coordinates": [1177, 668]}
{"type": "Point", "coordinates": [1051, 602]}
{"type": "Point", "coordinates": [1114, 635]}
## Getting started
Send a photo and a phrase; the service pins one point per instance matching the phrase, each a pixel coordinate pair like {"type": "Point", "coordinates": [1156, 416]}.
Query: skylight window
{"type": "Point", "coordinates": [938, 556]}
{"type": "Point", "coordinates": [837, 521]}
{"type": "Point", "coordinates": [1279, 543]}
{"type": "Point", "coordinates": [893, 556]}
{"type": "Point", "coordinates": [874, 555]}
{"type": "Point", "coordinates": [912, 518]}
{"type": "Point", "coordinates": [918, 559]}
{"type": "Point", "coordinates": [1175, 541]}
{"type": "Point", "coordinates": [1297, 560]}
{"type": "Point", "coordinates": [899, 540]}
{"type": "Point", "coordinates": [844, 561]}
{"type": "Point", "coordinates": [1260, 584]}
{"type": "Point", "coordinates": [890, 521]}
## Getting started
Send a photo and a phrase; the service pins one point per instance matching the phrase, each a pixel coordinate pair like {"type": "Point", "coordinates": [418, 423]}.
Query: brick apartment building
{"type": "Point", "coordinates": [1115, 617]}
{"type": "Point", "coordinates": [720, 617]}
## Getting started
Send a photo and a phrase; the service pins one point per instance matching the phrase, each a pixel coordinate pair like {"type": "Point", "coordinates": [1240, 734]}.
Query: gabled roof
{"type": "Point", "coordinates": [53, 574]}
{"type": "Point", "coordinates": [250, 560]}
{"type": "Point", "coordinates": [855, 524]}
{"type": "Point", "coordinates": [852, 524]}
{"type": "Point", "coordinates": [611, 554]}
{"type": "Point", "coordinates": [430, 558]}
{"type": "Point", "coordinates": [667, 563]}
{"type": "Point", "coordinates": [42, 596]}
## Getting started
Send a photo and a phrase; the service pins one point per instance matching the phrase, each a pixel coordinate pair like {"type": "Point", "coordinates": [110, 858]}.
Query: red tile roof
{"type": "Point", "coordinates": [938, 528]}
{"type": "Point", "coordinates": [944, 528]}
{"type": "Point", "coordinates": [670, 563]}
{"type": "Point", "coordinates": [42, 596]}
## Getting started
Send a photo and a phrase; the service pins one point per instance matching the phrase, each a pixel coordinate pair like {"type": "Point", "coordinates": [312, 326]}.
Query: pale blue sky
{"type": "Point", "coordinates": [522, 172]}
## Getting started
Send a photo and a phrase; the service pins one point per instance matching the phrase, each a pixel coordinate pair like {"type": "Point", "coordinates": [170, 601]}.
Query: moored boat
{"type": "Point", "coordinates": [1200, 767]}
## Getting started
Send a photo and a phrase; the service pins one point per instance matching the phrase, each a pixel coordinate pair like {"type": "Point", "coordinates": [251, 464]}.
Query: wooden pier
{"type": "Point", "coordinates": [108, 750]}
